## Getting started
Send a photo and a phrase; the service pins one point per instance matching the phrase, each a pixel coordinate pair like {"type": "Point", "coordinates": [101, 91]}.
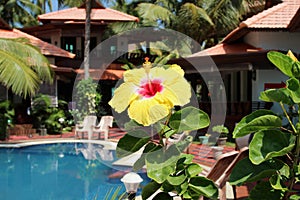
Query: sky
{"type": "Point", "coordinates": [55, 6]}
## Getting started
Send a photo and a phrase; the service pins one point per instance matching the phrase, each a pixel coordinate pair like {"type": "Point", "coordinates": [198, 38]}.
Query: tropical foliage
{"type": "Point", "coordinates": [150, 95]}
{"type": "Point", "coordinates": [87, 98]}
{"type": "Point", "coordinates": [275, 148]}
{"type": "Point", "coordinates": [6, 115]}
{"type": "Point", "coordinates": [23, 67]}
{"type": "Point", "coordinates": [205, 21]}
{"type": "Point", "coordinates": [46, 115]}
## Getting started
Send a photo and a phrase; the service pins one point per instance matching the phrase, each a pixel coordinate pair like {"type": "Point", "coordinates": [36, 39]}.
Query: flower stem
{"type": "Point", "coordinates": [288, 117]}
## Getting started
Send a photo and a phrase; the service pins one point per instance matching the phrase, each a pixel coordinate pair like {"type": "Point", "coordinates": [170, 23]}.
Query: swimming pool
{"type": "Point", "coordinates": [58, 171]}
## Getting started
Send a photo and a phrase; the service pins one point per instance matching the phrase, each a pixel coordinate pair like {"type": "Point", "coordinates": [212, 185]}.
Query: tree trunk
{"type": "Point", "coordinates": [87, 36]}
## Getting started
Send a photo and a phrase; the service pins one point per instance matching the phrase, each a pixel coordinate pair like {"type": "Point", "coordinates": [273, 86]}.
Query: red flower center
{"type": "Point", "coordinates": [149, 89]}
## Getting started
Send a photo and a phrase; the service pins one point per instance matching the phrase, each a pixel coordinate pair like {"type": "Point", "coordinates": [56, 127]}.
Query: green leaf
{"type": "Point", "coordinates": [140, 163]}
{"type": "Point", "coordinates": [132, 142]}
{"type": "Point", "coordinates": [258, 120]}
{"type": "Point", "coordinates": [295, 197]}
{"type": "Point", "coordinates": [193, 170]}
{"type": "Point", "coordinates": [245, 171]}
{"type": "Point", "coordinates": [276, 181]}
{"type": "Point", "coordinates": [161, 163]}
{"type": "Point", "coordinates": [150, 189]}
{"type": "Point", "coordinates": [282, 62]}
{"type": "Point", "coordinates": [203, 186]}
{"type": "Point", "coordinates": [294, 88]}
{"type": "Point", "coordinates": [183, 188]}
{"type": "Point", "coordinates": [277, 95]}
{"type": "Point", "coordinates": [268, 144]}
{"type": "Point", "coordinates": [176, 180]}
{"type": "Point", "coordinates": [131, 125]}
{"type": "Point", "coordinates": [189, 119]}
{"type": "Point", "coordinates": [263, 190]}
{"type": "Point", "coordinates": [163, 195]}
{"type": "Point", "coordinates": [183, 144]}
{"type": "Point", "coordinates": [293, 84]}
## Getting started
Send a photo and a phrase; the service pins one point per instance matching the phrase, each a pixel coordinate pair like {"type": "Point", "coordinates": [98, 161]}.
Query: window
{"type": "Point", "coordinates": [68, 44]}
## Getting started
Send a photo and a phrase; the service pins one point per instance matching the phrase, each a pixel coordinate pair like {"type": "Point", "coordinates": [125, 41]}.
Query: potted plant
{"type": "Point", "coordinates": [223, 131]}
{"type": "Point", "coordinates": [6, 115]}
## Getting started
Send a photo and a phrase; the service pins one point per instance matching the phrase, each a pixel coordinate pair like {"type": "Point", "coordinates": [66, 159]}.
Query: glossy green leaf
{"type": "Point", "coordinates": [268, 144]}
{"type": "Point", "coordinates": [245, 171]}
{"type": "Point", "coordinates": [131, 125]}
{"type": "Point", "coordinates": [263, 190]}
{"type": "Point", "coordinates": [188, 158]}
{"type": "Point", "coordinates": [295, 197]}
{"type": "Point", "coordinates": [276, 95]}
{"type": "Point", "coordinates": [150, 189]}
{"type": "Point", "coordinates": [203, 186]}
{"type": "Point", "coordinates": [176, 180]}
{"type": "Point", "coordinates": [161, 163]}
{"type": "Point", "coordinates": [258, 120]}
{"type": "Point", "coordinates": [183, 144]}
{"type": "Point", "coordinates": [183, 188]}
{"type": "Point", "coordinates": [282, 62]}
{"type": "Point", "coordinates": [163, 195]}
{"type": "Point", "coordinates": [189, 119]}
{"type": "Point", "coordinates": [293, 84]}
{"type": "Point", "coordinates": [294, 88]}
{"type": "Point", "coordinates": [140, 163]}
{"type": "Point", "coordinates": [132, 142]}
{"type": "Point", "coordinates": [276, 181]}
{"type": "Point", "coordinates": [167, 187]}
{"type": "Point", "coordinates": [193, 170]}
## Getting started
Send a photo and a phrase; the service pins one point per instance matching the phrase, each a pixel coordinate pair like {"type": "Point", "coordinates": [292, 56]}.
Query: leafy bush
{"type": "Point", "coordinates": [274, 151]}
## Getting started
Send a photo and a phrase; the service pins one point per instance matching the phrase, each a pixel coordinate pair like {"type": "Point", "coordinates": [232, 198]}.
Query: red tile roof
{"type": "Point", "coordinates": [222, 49]}
{"type": "Point", "coordinates": [46, 48]}
{"type": "Point", "coordinates": [78, 14]}
{"type": "Point", "coordinates": [279, 16]}
{"type": "Point", "coordinates": [285, 15]}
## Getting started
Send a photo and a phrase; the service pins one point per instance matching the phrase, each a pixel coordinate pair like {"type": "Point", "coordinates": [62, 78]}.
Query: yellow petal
{"type": "Point", "coordinates": [135, 76]}
{"type": "Point", "coordinates": [123, 96]}
{"type": "Point", "coordinates": [179, 93]}
{"type": "Point", "coordinates": [147, 111]}
{"type": "Point", "coordinates": [177, 68]}
{"type": "Point", "coordinates": [291, 55]}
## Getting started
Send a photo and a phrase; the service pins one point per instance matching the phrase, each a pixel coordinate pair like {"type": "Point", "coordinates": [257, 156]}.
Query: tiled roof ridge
{"type": "Point", "coordinates": [122, 13]}
{"type": "Point", "coordinates": [43, 42]}
{"type": "Point", "coordinates": [56, 12]}
{"type": "Point", "coordinates": [262, 14]}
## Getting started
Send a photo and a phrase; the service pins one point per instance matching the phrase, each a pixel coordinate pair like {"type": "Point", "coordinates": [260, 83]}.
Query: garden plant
{"type": "Point", "coordinates": [273, 162]}
{"type": "Point", "coordinates": [152, 96]}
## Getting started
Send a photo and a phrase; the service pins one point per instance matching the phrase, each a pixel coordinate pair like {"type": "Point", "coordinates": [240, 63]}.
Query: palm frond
{"type": "Point", "coordinates": [195, 13]}
{"type": "Point", "coordinates": [151, 14]}
{"type": "Point", "coordinates": [119, 27]}
{"type": "Point", "coordinates": [15, 74]}
{"type": "Point", "coordinates": [31, 56]}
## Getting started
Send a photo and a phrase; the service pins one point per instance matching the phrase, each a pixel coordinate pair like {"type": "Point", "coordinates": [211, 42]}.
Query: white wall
{"type": "Point", "coordinates": [274, 40]}
{"type": "Point", "coordinates": [267, 76]}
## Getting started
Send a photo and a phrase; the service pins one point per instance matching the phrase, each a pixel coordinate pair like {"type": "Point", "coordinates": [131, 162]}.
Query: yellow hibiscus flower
{"type": "Point", "coordinates": [150, 93]}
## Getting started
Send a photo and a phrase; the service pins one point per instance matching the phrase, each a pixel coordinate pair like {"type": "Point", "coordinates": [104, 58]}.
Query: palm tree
{"type": "Point", "coordinates": [204, 21]}
{"type": "Point", "coordinates": [19, 13]}
{"type": "Point", "coordinates": [22, 67]}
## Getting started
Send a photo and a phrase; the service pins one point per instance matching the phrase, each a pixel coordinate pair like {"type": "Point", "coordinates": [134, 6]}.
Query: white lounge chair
{"type": "Point", "coordinates": [86, 126]}
{"type": "Point", "coordinates": [103, 126]}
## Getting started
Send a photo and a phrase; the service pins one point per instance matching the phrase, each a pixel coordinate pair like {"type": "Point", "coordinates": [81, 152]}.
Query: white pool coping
{"type": "Point", "coordinates": [106, 144]}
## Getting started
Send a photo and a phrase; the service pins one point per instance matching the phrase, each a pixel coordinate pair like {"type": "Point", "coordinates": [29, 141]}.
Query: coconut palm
{"type": "Point", "coordinates": [203, 21]}
{"type": "Point", "coordinates": [22, 67]}
{"type": "Point", "coordinates": [19, 13]}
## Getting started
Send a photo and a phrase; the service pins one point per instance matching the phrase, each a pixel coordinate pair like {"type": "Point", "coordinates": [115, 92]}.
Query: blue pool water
{"type": "Point", "coordinates": [57, 171]}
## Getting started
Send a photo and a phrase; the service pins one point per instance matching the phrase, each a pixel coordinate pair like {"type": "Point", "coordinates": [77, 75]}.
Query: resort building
{"type": "Point", "coordinates": [242, 59]}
